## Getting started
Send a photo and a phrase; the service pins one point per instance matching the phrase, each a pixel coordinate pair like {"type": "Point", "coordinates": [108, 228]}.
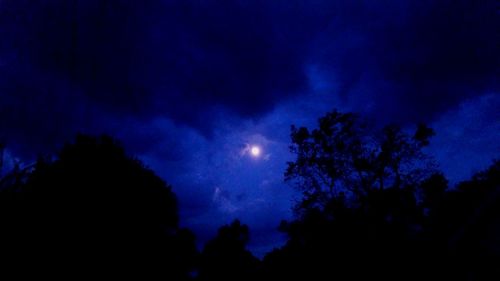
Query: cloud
{"type": "Point", "coordinates": [468, 137]}
{"type": "Point", "coordinates": [179, 59]}
{"type": "Point", "coordinates": [411, 60]}
{"type": "Point", "coordinates": [186, 84]}
{"type": "Point", "coordinates": [65, 65]}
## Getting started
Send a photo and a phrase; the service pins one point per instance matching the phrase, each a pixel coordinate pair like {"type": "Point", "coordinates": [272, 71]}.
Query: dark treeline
{"type": "Point", "coordinates": [374, 206]}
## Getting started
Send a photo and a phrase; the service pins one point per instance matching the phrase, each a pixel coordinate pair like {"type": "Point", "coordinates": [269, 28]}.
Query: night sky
{"type": "Point", "coordinates": [190, 86]}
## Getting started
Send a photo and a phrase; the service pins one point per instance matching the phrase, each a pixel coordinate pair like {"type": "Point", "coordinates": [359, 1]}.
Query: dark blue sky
{"type": "Point", "coordinates": [188, 85]}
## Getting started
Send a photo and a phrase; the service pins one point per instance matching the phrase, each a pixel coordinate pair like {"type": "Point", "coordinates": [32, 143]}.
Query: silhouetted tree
{"type": "Point", "coordinates": [376, 207]}
{"type": "Point", "coordinates": [361, 215]}
{"type": "Point", "coordinates": [343, 155]}
{"type": "Point", "coordinates": [226, 257]}
{"type": "Point", "coordinates": [95, 212]}
{"type": "Point", "coordinates": [467, 222]}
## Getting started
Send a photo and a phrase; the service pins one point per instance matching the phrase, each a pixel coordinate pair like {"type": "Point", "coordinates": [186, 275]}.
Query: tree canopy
{"type": "Point", "coordinates": [346, 157]}
{"type": "Point", "coordinates": [94, 209]}
{"type": "Point", "coordinates": [374, 205]}
{"type": "Point", "coordinates": [226, 258]}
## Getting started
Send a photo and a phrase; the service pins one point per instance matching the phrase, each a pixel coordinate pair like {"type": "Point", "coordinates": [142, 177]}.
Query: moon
{"type": "Point", "coordinates": [255, 151]}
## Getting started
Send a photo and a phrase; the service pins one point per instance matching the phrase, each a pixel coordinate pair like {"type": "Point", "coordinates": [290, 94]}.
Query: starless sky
{"type": "Point", "coordinates": [190, 86]}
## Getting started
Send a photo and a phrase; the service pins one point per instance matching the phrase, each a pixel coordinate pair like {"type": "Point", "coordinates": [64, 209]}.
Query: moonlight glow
{"type": "Point", "coordinates": [255, 151]}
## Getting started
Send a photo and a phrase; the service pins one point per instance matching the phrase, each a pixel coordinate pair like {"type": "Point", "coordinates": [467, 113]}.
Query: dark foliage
{"type": "Point", "coordinates": [346, 157]}
{"type": "Point", "coordinates": [226, 257]}
{"type": "Point", "coordinates": [97, 212]}
{"type": "Point", "coordinates": [374, 207]}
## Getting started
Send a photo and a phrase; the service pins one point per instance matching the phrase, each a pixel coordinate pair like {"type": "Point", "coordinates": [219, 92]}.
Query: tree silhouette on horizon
{"type": "Point", "coordinates": [226, 258]}
{"type": "Point", "coordinates": [344, 157]}
{"type": "Point", "coordinates": [374, 206]}
{"type": "Point", "coordinates": [94, 210]}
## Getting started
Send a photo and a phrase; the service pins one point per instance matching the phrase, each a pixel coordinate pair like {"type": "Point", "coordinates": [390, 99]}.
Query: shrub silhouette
{"type": "Point", "coordinates": [226, 258]}
{"type": "Point", "coordinates": [94, 210]}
